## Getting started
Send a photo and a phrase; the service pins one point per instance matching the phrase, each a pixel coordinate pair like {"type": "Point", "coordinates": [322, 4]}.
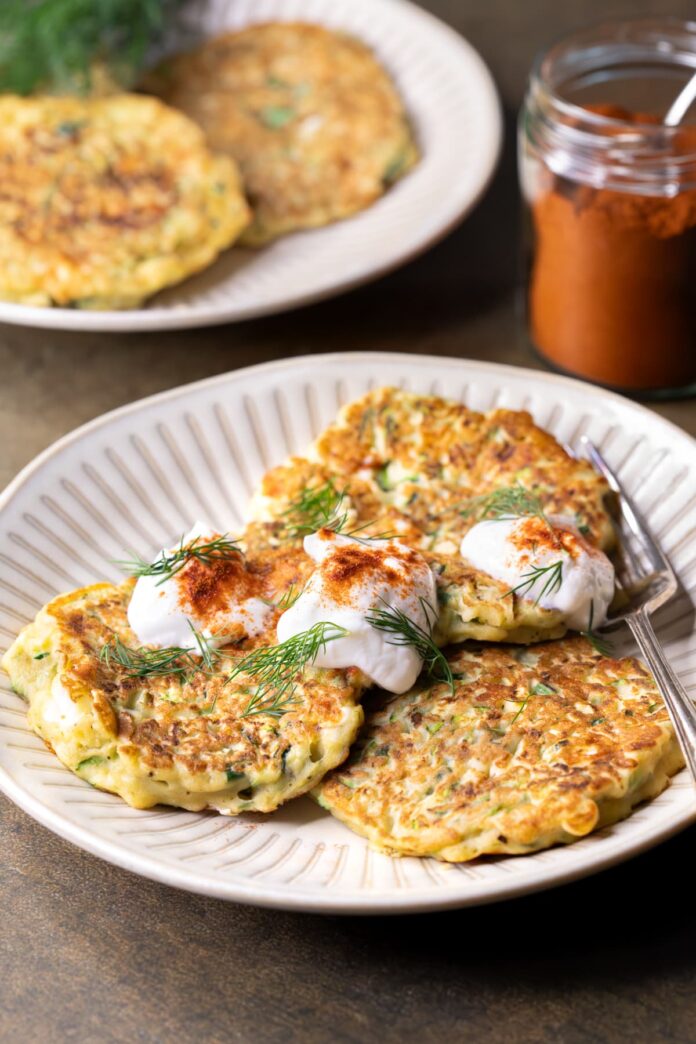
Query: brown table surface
{"type": "Point", "coordinates": [89, 952]}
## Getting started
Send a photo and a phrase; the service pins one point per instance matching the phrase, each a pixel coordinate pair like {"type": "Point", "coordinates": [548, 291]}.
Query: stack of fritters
{"type": "Point", "coordinates": [532, 746]}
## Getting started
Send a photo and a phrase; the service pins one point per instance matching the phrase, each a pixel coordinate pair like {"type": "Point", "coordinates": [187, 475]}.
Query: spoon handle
{"type": "Point", "coordinates": [681, 104]}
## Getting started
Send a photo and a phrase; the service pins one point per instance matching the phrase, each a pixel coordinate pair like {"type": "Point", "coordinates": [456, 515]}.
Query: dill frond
{"type": "Point", "coordinates": [405, 631]}
{"type": "Point", "coordinates": [551, 577]}
{"type": "Point", "coordinates": [168, 565]}
{"type": "Point", "coordinates": [55, 45]}
{"type": "Point", "coordinates": [275, 668]}
{"type": "Point", "coordinates": [505, 503]}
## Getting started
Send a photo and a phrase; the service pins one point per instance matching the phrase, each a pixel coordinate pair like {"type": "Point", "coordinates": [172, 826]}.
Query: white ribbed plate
{"type": "Point", "coordinates": [452, 101]}
{"type": "Point", "coordinates": [144, 473]}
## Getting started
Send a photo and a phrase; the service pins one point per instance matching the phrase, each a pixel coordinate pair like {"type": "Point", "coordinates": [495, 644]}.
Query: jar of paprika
{"type": "Point", "coordinates": [610, 193]}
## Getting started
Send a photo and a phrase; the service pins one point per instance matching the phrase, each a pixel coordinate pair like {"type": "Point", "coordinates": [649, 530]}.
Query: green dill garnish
{"type": "Point", "coordinates": [168, 565]}
{"type": "Point", "coordinates": [55, 45]}
{"type": "Point", "coordinates": [599, 643]}
{"type": "Point", "coordinates": [405, 631]}
{"type": "Point", "coordinates": [597, 721]}
{"type": "Point", "coordinates": [276, 116]}
{"type": "Point", "coordinates": [275, 668]}
{"type": "Point", "coordinates": [538, 689]}
{"type": "Point", "coordinates": [652, 707]}
{"type": "Point", "coordinates": [41, 656]}
{"type": "Point", "coordinates": [522, 706]}
{"type": "Point", "coordinates": [551, 575]}
{"type": "Point", "coordinates": [317, 507]}
{"type": "Point", "coordinates": [322, 507]}
{"type": "Point", "coordinates": [505, 503]}
{"type": "Point", "coordinates": [171, 661]}
{"type": "Point", "coordinates": [289, 598]}
{"type": "Point", "coordinates": [232, 775]}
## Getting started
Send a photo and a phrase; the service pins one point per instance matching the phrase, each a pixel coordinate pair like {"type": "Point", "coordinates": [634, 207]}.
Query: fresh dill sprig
{"type": "Point", "coordinates": [275, 668]}
{"type": "Point", "coordinates": [505, 503]}
{"type": "Point", "coordinates": [289, 598]}
{"type": "Point", "coordinates": [317, 507]}
{"type": "Point", "coordinates": [168, 565]}
{"type": "Point", "coordinates": [551, 575]}
{"type": "Point", "coordinates": [55, 45]}
{"type": "Point", "coordinates": [598, 642]}
{"type": "Point", "coordinates": [405, 631]}
{"type": "Point", "coordinates": [322, 507]}
{"type": "Point", "coordinates": [538, 689]}
{"type": "Point", "coordinates": [171, 661]}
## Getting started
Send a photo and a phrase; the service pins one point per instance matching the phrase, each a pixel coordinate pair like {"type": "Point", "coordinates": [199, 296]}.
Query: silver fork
{"type": "Point", "coordinates": [648, 580]}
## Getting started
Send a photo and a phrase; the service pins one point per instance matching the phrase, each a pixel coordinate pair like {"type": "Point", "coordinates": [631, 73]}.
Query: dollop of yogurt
{"type": "Point", "coordinates": [512, 549]}
{"type": "Point", "coordinates": [352, 578]}
{"type": "Point", "coordinates": [221, 600]}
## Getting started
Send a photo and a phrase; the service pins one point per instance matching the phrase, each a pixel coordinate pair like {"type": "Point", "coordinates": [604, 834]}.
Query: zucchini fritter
{"type": "Point", "coordinates": [534, 748]}
{"type": "Point", "coordinates": [415, 466]}
{"type": "Point", "coordinates": [313, 120]}
{"type": "Point", "coordinates": [182, 740]}
{"type": "Point", "coordinates": [105, 201]}
{"type": "Point", "coordinates": [430, 457]}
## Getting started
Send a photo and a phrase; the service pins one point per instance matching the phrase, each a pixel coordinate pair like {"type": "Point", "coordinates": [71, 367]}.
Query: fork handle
{"type": "Point", "coordinates": [681, 709]}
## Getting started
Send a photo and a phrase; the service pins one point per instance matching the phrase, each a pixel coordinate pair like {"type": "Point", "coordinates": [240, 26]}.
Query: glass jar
{"type": "Point", "coordinates": [610, 196]}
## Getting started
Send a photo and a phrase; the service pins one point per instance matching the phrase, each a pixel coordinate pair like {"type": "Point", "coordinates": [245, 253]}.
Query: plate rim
{"type": "Point", "coordinates": [156, 318]}
{"type": "Point", "coordinates": [248, 892]}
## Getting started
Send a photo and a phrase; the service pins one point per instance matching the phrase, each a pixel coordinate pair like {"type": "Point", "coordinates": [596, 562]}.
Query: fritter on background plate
{"type": "Point", "coordinates": [313, 120]}
{"type": "Point", "coordinates": [105, 201]}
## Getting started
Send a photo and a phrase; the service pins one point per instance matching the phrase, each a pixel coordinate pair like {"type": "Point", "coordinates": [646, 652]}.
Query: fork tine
{"type": "Point", "coordinates": [635, 521]}
{"type": "Point", "coordinates": [680, 707]}
{"type": "Point", "coordinates": [631, 521]}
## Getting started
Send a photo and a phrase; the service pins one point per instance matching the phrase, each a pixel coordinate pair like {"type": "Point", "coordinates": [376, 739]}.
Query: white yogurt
{"type": "Point", "coordinates": [160, 614]}
{"type": "Point", "coordinates": [509, 549]}
{"type": "Point", "coordinates": [352, 578]}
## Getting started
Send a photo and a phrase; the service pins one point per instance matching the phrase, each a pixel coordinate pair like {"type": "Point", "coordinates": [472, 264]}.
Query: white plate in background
{"type": "Point", "coordinates": [452, 101]}
{"type": "Point", "coordinates": [138, 476]}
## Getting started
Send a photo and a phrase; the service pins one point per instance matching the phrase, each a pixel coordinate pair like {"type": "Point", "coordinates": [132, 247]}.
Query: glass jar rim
{"type": "Point", "coordinates": [605, 150]}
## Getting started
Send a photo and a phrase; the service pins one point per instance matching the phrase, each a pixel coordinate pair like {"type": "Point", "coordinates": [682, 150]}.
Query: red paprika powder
{"type": "Point", "coordinates": [612, 293]}
{"type": "Point", "coordinates": [611, 195]}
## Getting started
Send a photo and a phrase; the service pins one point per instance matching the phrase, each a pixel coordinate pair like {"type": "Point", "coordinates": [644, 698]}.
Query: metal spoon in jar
{"type": "Point", "coordinates": [681, 104]}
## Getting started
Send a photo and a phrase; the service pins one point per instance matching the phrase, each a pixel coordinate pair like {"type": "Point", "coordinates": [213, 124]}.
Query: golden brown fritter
{"type": "Point", "coordinates": [180, 740]}
{"type": "Point", "coordinates": [535, 747]}
{"type": "Point", "coordinates": [430, 456]}
{"type": "Point", "coordinates": [415, 466]}
{"type": "Point", "coordinates": [312, 119]}
{"type": "Point", "coordinates": [105, 201]}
